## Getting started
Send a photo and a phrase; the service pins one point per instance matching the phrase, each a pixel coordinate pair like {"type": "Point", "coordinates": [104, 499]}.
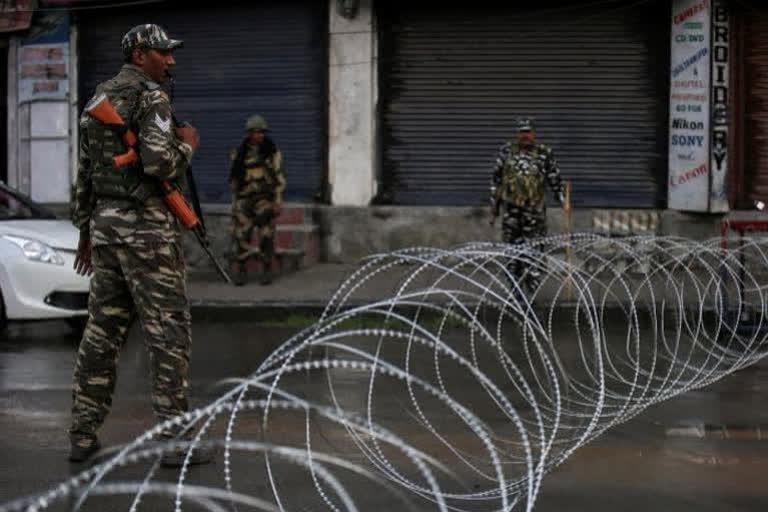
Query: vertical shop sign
{"type": "Point", "coordinates": [689, 105]}
{"type": "Point", "coordinates": [718, 200]}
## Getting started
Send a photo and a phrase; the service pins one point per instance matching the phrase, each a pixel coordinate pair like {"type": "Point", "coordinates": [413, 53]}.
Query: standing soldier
{"type": "Point", "coordinates": [257, 180]}
{"type": "Point", "coordinates": [131, 242]}
{"type": "Point", "coordinates": [518, 189]}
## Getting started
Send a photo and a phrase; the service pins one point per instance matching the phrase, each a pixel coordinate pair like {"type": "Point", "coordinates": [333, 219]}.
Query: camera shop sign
{"type": "Point", "coordinates": [698, 106]}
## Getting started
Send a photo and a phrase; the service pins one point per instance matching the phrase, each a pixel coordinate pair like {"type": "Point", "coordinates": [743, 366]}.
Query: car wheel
{"type": "Point", "coordinates": [77, 323]}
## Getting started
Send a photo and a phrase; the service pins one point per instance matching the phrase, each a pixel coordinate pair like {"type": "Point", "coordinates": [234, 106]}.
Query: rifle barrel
{"type": "Point", "coordinates": [219, 268]}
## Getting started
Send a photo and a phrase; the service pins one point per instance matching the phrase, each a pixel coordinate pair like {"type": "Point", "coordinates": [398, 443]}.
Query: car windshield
{"type": "Point", "coordinates": [16, 206]}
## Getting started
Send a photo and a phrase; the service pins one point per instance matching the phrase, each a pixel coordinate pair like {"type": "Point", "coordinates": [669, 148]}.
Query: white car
{"type": "Point", "coordinates": [37, 253]}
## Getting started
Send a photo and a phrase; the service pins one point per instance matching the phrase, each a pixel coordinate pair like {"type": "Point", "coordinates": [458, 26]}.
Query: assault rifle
{"type": "Point", "coordinates": [102, 110]}
{"type": "Point", "coordinates": [190, 177]}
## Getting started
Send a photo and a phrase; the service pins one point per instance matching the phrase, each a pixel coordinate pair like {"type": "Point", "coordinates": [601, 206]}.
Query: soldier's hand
{"type": "Point", "coordinates": [83, 264]}
{"type": "Point", "coordinates": [188, 134]}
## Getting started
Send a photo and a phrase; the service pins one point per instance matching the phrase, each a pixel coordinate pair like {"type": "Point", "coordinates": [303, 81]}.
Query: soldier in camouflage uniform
{"type": "Point", "coordinates": [257, 179]}
{"type": "Point", "coordinates": [522, 169]}
{"type": "Point", "coordinates": [130, 241]}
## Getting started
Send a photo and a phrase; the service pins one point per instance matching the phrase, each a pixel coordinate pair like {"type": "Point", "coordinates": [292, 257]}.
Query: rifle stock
{"type": "Point", "coordinates": [102, 110]}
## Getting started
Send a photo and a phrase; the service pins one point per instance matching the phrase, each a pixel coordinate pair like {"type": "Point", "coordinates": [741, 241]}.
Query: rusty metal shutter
{"type": "Point", "coordinates": [247, 57]}
{"type": "Point", "coordinates": [756, 104]}
{"type": "Point", "coordinates": [453, 80]}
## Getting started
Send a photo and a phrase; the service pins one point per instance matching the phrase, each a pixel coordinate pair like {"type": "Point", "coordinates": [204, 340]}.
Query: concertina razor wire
{"type": "Point", "coordinates": [499, 361]}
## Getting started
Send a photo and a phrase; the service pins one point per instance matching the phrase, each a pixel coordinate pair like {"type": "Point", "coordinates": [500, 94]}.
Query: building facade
{"type": "Point", "coordinates": [655, 105]}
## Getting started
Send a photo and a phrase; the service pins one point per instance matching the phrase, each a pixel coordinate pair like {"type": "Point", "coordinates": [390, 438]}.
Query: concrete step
{"type": "Point", "coordinates": [285, 261]}
{"type": "Point", "coordinates": [297, 241]}
{"type": "Point", "coordinates": [294, 214]}
{"type": "Point", "coordinates": [304, 238]}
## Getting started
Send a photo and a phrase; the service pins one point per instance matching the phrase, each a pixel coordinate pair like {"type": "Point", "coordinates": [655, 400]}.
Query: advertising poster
{"type": "Point", "coordinates": [43, 65]}
{"type": "Point", "coordinates": [689, 104]}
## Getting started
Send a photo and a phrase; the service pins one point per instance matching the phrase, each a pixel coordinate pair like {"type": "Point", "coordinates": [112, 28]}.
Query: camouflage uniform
{"type": "Point", "coordinates": [257, 179]}
{"type": "Point", "coordinates": [137, 255]}
{"type": "Point", "coordinates": [518, 181]}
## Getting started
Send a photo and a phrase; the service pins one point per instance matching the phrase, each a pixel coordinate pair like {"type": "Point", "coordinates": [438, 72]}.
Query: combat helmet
{"type": "Point", "coordinates": [256, 123]}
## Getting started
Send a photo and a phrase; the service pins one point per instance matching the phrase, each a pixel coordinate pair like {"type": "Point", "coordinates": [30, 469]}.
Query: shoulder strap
{"type": "Point", "coordinates": [269, 149]}
{"type": "Point", "coordinates": [237, 171]}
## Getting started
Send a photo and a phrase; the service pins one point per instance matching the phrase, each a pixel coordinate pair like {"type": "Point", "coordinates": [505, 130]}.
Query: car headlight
{"type": "Point", "coordinates": [35, 250]}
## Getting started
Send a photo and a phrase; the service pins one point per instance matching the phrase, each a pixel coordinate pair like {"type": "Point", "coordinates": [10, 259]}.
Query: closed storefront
{"type": "Point", "coordinates": [250, 57]}
{"type": "Point", "coordinates": [752, 119]}
{"type": "Point", "coordinates": [595, 77]}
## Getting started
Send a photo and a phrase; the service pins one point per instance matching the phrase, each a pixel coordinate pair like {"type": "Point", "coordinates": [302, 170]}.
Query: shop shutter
{"type": "Point", "coordinates": [240, 59]}
{"type": "Point", "coordinates": [454, 79]}
{"type": "Point", "coordinates": [756, 105]}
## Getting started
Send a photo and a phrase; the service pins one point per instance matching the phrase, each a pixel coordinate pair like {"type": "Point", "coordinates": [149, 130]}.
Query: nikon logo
{"type": "Point", "coordinates": [685, 124]}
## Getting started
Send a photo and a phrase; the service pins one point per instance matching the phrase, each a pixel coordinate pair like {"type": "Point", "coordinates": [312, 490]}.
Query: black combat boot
{"type": "Point", "coordinates": [79, 453]}
{"type": "Point", "coordinates": [242, 274]}
{"type": "Point", "coordinates": [266, 274]}
{"type": "Point", "coordinates": [267, 251]}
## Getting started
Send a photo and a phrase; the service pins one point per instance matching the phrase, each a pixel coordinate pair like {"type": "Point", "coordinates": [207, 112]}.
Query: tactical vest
{"type": "Point", "coordinates": [250, 182]}
{"type": "Point", "coordinates": [524, 179]}
{"type": "Point", "coordinates": [127, 182]}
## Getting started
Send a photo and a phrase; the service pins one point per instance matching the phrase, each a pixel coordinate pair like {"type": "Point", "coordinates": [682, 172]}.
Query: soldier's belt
{"type": "Point", "coordinates": [257, 197]}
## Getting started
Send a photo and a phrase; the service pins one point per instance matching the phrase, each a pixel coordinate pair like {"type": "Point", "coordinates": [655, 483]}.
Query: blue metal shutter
{"type": "Point", "coordinates": [237, 60]}
{"type": "Point", "coordinates": [455, 78]}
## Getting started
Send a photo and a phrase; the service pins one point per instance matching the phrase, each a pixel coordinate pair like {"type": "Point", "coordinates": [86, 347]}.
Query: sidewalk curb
{"type": "Point", "coordinates": [251, 311]}
{"type": "Point", "coordinates": [260, 310]}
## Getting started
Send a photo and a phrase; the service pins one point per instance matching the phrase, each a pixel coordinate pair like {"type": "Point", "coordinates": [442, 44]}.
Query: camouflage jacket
{"type": "Point", "coordinates": [261, 174]}
{"type": "Point", "coordinates": [520, 174]}
{"type": "Point", "coordinates": [113, 220]}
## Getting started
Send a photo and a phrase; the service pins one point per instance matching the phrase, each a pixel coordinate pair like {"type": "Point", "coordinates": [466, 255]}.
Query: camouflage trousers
{"type": "Point", "coordinates": [249, 214]}
{"type": "Point", "coordinates": [518, 226]}
{"type": "Point", "coordinates": [129, 281]}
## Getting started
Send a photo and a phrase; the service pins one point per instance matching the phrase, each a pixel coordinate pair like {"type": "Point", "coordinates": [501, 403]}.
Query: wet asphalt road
{"type": "Point", "coordinates": [651, 463]}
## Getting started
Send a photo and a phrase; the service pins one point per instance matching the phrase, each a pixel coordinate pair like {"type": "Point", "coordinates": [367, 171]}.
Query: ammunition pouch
{"type": "Point", "coordinates": [124, 183]}
{"type": "Point", "coordinates": [523, 181]}
{"type": "Point", "coordinates": [524, 190]}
